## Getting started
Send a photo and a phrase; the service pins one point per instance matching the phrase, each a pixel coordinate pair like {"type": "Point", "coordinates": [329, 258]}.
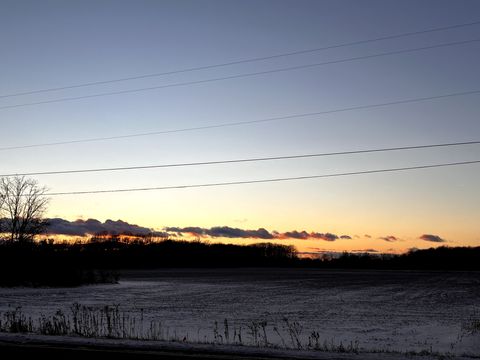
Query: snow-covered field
{"type": "Point", "coordinates": [402, 311]}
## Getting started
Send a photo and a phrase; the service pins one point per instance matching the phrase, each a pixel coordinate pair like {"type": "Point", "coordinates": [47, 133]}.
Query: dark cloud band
{"type": "Point", "coordinates": [432, 238]}
{"type": "Point", "coordinates": [59, 226]}
{"type": "Point", "coordinates": [261, 233]}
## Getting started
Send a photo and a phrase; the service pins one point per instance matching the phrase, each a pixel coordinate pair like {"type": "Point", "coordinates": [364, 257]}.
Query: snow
{"type": "Point", "coordinates": [381, 311]}
{"type": "Point", "coordinates": [163, 346]}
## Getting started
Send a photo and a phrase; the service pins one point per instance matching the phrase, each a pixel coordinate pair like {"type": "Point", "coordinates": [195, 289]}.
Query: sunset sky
{"type": "Point", "coordinates": [51, 44]}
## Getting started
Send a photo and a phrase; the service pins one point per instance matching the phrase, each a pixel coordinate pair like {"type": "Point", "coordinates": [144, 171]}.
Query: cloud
{"type": "Point", "coordinates": [432, 238]}
{"type": "Point", "coordinates": [389, 238]}
{"type": "Point", "coordinates": [368, 236]}
{"type": "Point", "coordinates": [326, 236]}
{"type": "Point", "coordinates": [296, 235]}
{"type": "Point", "coordinates": [226, 231]}
{"type": "Point", "coordinates": [80, 227]}
{"type": "Point", "coordinates": [304, 235]}
{"type": "Point", "coordinates": [365, 251]}
{"type": "Point", "coordinates": [58, 226]}
{"type": "Point", "coordinates": [240, 221]}
{"type": "Point", "coordinates": [222, 231]}
{"type": "Point", "coordinates": [193, 230]}
{"type": "Point", "coordinates": [261, 233]}
{"type": "Point", "coordinates": [331, 253]}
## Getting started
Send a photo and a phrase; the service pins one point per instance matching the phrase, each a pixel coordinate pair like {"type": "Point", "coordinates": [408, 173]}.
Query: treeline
{"type": "Point", "coordinates": [51, 264]}
{"type": "Point", "coordinates": [440, 258]}
{"type": "Point", "coordinates": [54, 264]}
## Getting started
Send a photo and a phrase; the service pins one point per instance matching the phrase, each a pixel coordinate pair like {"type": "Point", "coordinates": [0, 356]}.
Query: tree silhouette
{"type": "Point", "coordinates": [22, 205]}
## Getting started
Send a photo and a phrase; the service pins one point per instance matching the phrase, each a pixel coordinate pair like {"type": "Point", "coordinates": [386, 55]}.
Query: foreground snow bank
{"type": "Point", "coordinates": [205, 349]}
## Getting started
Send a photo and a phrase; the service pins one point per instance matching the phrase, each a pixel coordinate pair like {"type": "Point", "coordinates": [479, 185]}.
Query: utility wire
{"type": "Point", "coordinates": [235, 161]}
{"type": "Point", "coordinates": [247, 122]}
{"type": "Point", "coordinates": [243, 61]}
{"type": "Point", "coordinates": [264, 180]}
{"type": "Point", "coordinates": [238, 76]}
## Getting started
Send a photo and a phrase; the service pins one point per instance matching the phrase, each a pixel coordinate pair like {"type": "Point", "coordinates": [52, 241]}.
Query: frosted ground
{"type": "Point", "coordinates": [425, 312]}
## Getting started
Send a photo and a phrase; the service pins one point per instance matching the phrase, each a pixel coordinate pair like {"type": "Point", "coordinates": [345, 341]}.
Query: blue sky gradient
{"type": "Point", "coordinates": [58, 43]}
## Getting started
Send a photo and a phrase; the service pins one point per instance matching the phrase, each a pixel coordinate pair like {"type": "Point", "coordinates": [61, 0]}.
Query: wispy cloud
{"type": "Point", "coordinates": [326, 236]}
{"type": "Point", "coordinates": [365, 251]}
{"type": "Point", "coordinates": [432, 238]}
{"type": "Point", "coordinates": [240, 221]}
{"type": "Point", "coordinates": [389, 238]}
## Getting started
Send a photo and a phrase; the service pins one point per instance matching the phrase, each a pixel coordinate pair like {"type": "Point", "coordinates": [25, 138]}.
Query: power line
{"type": "Point", "coordinates": [243, 61]}
{"type": "Point", "coordinates": [245, 160]}
{"type": "Point", "coordinates": [247, 122]}
{"type": "Point", "coordinates": [264, 180]}
{"type": "Point", "coordinates": [238, 76]}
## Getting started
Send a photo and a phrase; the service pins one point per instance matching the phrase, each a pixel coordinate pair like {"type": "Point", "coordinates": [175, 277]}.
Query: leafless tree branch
{"type": "Point", "coordinates": [22, 206]}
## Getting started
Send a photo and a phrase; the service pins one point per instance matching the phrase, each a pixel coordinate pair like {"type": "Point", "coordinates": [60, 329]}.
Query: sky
{"type": "Point", "coordinates": [50, 44]}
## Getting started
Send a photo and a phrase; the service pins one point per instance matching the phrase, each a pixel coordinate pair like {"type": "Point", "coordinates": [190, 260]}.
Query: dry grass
{"type": "Point", "coordinates": [111, 322]}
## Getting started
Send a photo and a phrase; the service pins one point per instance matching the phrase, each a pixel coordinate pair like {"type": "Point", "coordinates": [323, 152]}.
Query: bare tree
{"type": "Point", "coordinates": [22, 206]}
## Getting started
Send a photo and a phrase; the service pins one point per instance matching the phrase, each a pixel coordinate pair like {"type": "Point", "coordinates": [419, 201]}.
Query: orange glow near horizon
{"type": "Point", "coordinates": [305, 247]}
{"type": "Point", "coordinates": [395, 211]}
